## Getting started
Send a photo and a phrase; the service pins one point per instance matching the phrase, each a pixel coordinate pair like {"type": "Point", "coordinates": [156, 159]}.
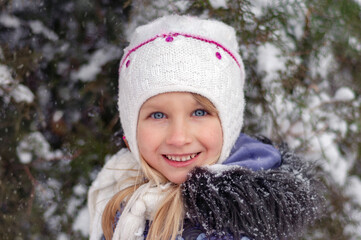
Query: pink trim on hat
{"type": "Point", "coordinates": [184, 35]}
{"type": "Point", "coordinates": [216, 43]}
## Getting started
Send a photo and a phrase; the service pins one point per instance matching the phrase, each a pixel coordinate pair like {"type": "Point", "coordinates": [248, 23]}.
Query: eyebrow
{"type": "Point", "coordinates": [162, 106]}
{"type": "Point", "coordinates": [150, 106]}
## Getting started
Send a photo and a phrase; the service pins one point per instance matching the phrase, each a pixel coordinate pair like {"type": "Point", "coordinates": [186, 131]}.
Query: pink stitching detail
{"type": "Point", "coordinates": [134, 49]}
{"type": "Point", "coordinates": [214, 42]}
{"type": "Point", "coordinates": [218, 55]}
{"type": "Point", "coordinates": [169, 39]}
{"type": "Point", "coordinates": [184, 35]}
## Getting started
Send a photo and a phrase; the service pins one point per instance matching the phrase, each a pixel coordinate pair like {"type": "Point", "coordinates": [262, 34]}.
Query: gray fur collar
{"type": "Point", "coordinates": [267, 205]}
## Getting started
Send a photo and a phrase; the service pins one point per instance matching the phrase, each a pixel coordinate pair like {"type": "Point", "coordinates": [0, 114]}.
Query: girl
{"type": "Point", "coordinates": [189, 173]}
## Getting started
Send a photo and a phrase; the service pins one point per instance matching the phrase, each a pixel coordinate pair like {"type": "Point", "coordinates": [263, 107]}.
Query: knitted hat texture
{"type": "Point", "coordinates": [183, 54]}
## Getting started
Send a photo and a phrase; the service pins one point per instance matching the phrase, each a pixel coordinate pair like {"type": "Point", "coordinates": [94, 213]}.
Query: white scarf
{"type": "Point", "coordinates": [141, 206]}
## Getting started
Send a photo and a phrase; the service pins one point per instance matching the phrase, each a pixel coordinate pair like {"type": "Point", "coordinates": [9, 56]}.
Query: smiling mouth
{"type": "Point", "coordinates": [182, 158]}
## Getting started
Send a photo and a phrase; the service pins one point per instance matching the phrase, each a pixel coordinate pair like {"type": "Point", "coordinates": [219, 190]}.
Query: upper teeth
{"type": "Point", "coordinates": [181, 158]}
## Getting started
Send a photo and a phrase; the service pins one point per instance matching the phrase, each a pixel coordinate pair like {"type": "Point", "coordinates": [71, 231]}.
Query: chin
{"type": "Point", "coordinates": [178, 180]}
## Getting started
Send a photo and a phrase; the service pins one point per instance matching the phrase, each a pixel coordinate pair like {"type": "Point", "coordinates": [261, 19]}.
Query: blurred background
{"type": "Point", "coordinates": [58, 99]}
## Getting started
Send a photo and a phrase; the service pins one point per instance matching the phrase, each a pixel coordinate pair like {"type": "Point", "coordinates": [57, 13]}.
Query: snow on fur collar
{"type": "Point", "coordinates": [274, 204]}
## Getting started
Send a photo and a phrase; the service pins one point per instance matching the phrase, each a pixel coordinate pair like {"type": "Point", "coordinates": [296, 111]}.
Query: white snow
{"type": "Point", "coordinates": [324, 97]}
{"type": "Point", "coordinates": [311, 124]}
{"type": "Point", "coordinates": [5, 75]}
{"type": "Point", "coordinates": [25, 157]}
{"type": "Point", "coordinates": [323, 64]}
{"type": "Point", "coordinates": [217, 169]}
{"type": "Point", "coordinates": [257, 7]}
{"type": "Point", "coordinates": [353, 190]}
{"type": "Point", "coordinates": [344, 94]}
{"type": "Point", "coordinates": [74, 116]}
{"type": "Point", "coordinates": [270, 61]}
{"type": "Point", "coordinates": [334, 163]}
{"type": "Point", "coordinates": [358, 1]}
{"type": "Point", "coordinates": [72, 205]}
{"type": "Point", "coordinates": [62, 67]}
{"type": "Point", "coordinates": [354, 215]}
{"type": "Point", "coordinates": [39, 28]}
{"type": "Point", "coordinates": [297, 26]}
{"type": "Point", "coordinates": [218, 4]}
{"type": "Point", "coordinates": [322, 130]}
{"type": "Point", "coordinates": [182, 5]}
{"type": "Point", "coordinates": [53, 183]}
{"type": "Point", "coordinates": [43, 95]}
{"type": "Point", "coordinates": [57, 115]}
{"type": "Point", "coordinates": [354, 187]}
{"type": "Point", "coordinates": [45, 194]}
{"type": "Point", "coordinates": [99, 58]}
{"type": "Point", "coordinates": [336, 124]}
{"type": "Point", "coordinates": [19, 92]}
{"type": "Point", "coordinates": [9, 21]}
{"type": "Point", "coordinates": [354, 42]}
{"type": "Point", "coordinates": [81, 222]}
{"type": "Point", "coordinates": [353, 127]}
{"type": "Point", "coordinates": [50, 211]}
{"type": "Point", "coordinates": [62, 236]}
{"type": "Point", "coordinates": [80, 189]}
{"type": "Point", "coordinates": [22, 93]}
{"type": "Point", "coordinates": [48, 51]}
{"type": "Point", "coordinates": [35, 146]}
{"type": "Point", "coordinates": [297, 129]}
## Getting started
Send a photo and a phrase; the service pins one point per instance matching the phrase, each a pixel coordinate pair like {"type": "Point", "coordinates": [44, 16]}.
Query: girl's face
{"type": "Point", "coordinates": [176, 133]}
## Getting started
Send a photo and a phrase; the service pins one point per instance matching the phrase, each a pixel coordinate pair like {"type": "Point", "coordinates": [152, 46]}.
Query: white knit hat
{"type": "Point", "coordinates": [183, 54]}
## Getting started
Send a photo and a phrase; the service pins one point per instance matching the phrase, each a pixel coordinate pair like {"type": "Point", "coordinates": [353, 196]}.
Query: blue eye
{"type": "Point", "coordinates": [199, 113]}
{"type": "Point", "coordinates": [157, 115]}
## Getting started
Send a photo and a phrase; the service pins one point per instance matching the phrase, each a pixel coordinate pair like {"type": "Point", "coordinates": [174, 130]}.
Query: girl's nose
{"type": "Point", "coordinates": [178, 134]}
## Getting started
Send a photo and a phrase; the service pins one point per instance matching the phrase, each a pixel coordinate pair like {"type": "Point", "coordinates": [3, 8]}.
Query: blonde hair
{"type": "Point", "coordinates": [168, 220]}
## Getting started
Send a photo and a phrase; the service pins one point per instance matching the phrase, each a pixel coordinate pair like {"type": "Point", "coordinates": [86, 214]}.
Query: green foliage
{"type": "Point", "coordinates": [35, 197]}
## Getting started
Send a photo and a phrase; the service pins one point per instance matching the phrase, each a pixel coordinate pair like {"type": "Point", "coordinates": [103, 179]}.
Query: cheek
{"type": "Point", "coordinates": [143, 135]}
{"type": "Point", "coordinates": [217, 141]}
{"type": "Point", "coordinates": [147, 138]}
{"type": "Point", "coordinates": [213, 136]}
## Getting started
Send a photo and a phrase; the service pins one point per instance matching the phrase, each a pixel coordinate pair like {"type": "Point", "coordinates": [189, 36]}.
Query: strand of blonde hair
{"type": "Point", "coordinates": [164, 226]}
